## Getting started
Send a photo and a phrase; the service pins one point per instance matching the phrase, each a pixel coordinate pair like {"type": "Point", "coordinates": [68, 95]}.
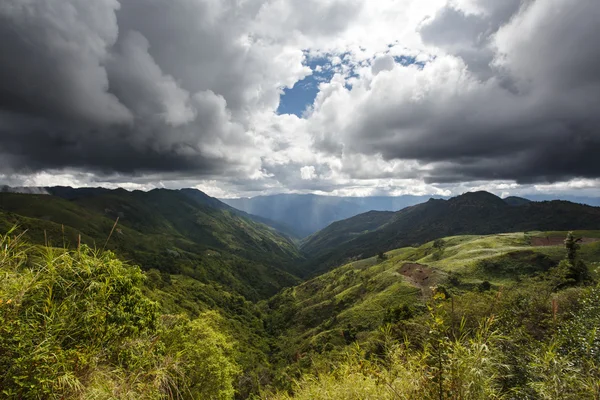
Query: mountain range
{"type": "Point", "coordinates": [476, 213]}
{"type": "Point", "coordinates": [304, 214]}
{"type": "Point", "coordinates": [188, 232]}
{"type": "Point", "coordinates": [288, 305]}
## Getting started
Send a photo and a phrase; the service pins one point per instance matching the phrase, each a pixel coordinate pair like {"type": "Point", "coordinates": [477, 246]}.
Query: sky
{"type": "Point", "coordinates": [338, 97]}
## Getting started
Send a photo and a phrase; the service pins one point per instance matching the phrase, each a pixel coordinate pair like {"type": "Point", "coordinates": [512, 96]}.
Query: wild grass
{"type": "Point", "coordinates": [486, 358]}
{"type": "Point", "coordinates": [76, 324]}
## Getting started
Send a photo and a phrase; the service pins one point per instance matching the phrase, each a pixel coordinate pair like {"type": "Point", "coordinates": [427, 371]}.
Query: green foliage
{"type": "Point", "coordinates": [581, 333]}
{"type": "Point", "coordinates": [206, 370]}
{"type": "Point", "coordinates": [174, 232]}
{"type": "Point", "coordinates": [478, 213]}
{"type": "Point", "coordinates": [475, 317]}
{"type": "Point", "coordinates": [516, 263]}
{"type": "Point", "coordinates": [488, 334]}
{"type": "Point", "coordinates": [485, 286]}
{"type": "Point", "coordinates": [462, 368]}
{"type": "Point", "coordinates": [576, 270]}
{"type": "Point", "coordinates": [75, 324]}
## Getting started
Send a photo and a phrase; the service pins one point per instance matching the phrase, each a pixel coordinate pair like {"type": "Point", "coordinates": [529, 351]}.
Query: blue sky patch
{"type": "Point", "coordinates": [408, 60]}
{"type": "Point", "coordinates": [296, 99]}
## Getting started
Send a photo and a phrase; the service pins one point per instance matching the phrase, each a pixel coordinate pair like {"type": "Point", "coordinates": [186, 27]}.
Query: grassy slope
{"type": "Point", "coordinates": [356, 296]}
{"type": "Point", "coordinates": [165, 230]}
{"type": "Point", "coordinates": [197, 257]}
{"type": "Point", "coordinates": [471, 213]}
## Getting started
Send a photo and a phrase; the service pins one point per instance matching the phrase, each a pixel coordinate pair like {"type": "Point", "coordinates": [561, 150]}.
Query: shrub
{"type": "Point", "coordinates": [76, 324]}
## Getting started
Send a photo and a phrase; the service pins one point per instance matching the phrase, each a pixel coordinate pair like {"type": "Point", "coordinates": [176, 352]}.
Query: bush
{"type": "Point", "coordinates": [76, 324]}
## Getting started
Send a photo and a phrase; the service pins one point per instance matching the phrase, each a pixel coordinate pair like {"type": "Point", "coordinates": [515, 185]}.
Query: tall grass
{"type": "Point", "coordinates": [75, 324]}
{"type": "Point", "coordinates": [466, 362]}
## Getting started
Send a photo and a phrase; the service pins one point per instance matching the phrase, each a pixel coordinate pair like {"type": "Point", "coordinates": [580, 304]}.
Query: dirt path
{"type": "Point", "coordinates": [419, 275]}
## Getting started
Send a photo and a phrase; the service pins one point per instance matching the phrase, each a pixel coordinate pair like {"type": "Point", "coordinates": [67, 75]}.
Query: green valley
{"type": "Point", "coordinates": [219, 310]}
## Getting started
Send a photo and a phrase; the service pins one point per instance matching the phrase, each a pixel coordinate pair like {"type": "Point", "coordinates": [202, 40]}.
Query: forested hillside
{"type": "Point", "coordinates": [478, 317]}
{"type": "Point", "coordinates": [199, 255]}
{"type": "Point", "coordinates": [175, 232]}
{"type": "Point", "coordinates": [471, 213]}
{"type": "Point", "coordinates": [76, 324]}
{"type": "Point", "coordinates": [510, 316]}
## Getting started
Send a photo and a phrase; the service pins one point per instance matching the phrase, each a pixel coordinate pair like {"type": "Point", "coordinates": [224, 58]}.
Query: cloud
{"type": "Point", "coordinates": [53, 55]}
{"type": "Point", "coordinates": [308, 172]}
{"type": "Point", "coordinates": [419, 95]}
{"type": "Point", "coordinates": [383, 63]}
{"type": "Point", "coordinates": [532, 119]}
{"type": "Point", "coordinates": [136, 87]}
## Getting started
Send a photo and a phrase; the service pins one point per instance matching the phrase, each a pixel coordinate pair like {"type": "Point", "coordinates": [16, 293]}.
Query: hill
{"type": "Point", "coordinates": [175, 232]}
{"type": "Point", "coordinates": [472, 316]}
{"type": "Point", "coordinates": [471, 213]}
{"type": "Point", "coordinates": [353, 301]}
{"type": "Point", "coordinates": [308, 213]}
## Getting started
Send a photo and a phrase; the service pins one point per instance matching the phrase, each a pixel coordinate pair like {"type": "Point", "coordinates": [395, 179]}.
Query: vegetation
{"type": "Point", "coordinates": [478, 213]}
{"type": "Point", "coordinates": [75, 324]}
{"type": "Point", "coordinates": [374, 329]}
{"type": "Point", "coordinates": [175, 232]}
{"type": "Point", "coordinates": [507, 316]}
{"type": "Point", "coordinates": [493, 359]}
{"type": "Point", "coordinates": [78, 324]}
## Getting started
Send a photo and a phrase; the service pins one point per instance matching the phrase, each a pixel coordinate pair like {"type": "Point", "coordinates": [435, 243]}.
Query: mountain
{"type": "Point", "coordinates": [590, 201]}
{"type": "Point", "coordinates": [354, 300]}
{"type": "Point", "coordinates": [471, 213]}
{"type": "Point", "coordinates": [516, 201]}
{"type": "Point", "coordinates": [308, 213]}
{"type": "Point", "coordinates": [173, 231]}
{"type": "Point", "coordinates": [203, 197]}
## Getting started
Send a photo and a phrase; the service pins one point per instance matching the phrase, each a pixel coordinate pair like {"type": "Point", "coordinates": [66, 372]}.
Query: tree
{"type": "Point", "coordinates": [438, 246]}
{"type": "Point", "coordinates": [572, 245]}
{"type": "Point", "coordinates": [577, 270]}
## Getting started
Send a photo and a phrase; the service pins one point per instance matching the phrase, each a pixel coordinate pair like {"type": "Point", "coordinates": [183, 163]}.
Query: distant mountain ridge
{"type": "Point", "coordinates": [471, 213]}
{"type": "Point", "coordinates": [308, 213]}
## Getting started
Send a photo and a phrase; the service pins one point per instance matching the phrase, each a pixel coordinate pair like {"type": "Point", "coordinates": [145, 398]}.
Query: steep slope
{"type": "Point", "coordinates": [167, 230]}
{"type": "Point", "coordinates": [342, 231]}
{"type": "Point", "coordinates": [352, 301]}
{"type": "Point", "coordinates": [307, 213]}
{"type": "Point", "coordinates": [470, 213]}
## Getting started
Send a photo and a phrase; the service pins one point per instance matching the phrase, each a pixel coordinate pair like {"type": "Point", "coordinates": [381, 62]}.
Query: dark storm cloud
{"type": "Point", "coordinates": [522, 102]}
{"type": "Point", "coordinates": [45, 145]}
{"type": "Point", "coordinates": [468, 35]}
{"type": "Point", "coordinates": [133, 86]}
{"type": "Point", "coordinates": [52, 55]}
{"type": "Point", "coordinates": [137, 90]}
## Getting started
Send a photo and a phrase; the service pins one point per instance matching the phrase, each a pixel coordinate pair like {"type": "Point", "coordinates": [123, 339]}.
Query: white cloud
{"type": "Point", "coordinates": [185, 93]}
{"type": "Point", "coordinates": [308, 172]}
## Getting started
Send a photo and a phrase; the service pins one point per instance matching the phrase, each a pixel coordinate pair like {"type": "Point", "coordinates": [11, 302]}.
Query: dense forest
{"type": "Point", "coordinates": [182, 298]}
